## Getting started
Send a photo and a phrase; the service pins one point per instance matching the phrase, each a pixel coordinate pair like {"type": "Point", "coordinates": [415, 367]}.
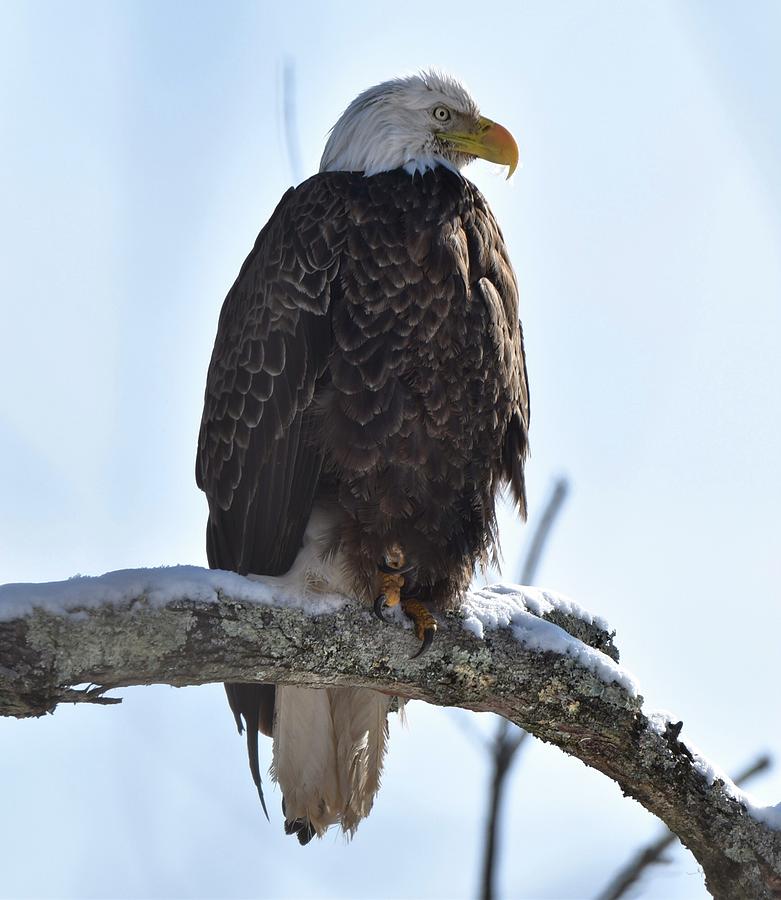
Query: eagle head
{"type": "Point", "coordinates": [417, 123]}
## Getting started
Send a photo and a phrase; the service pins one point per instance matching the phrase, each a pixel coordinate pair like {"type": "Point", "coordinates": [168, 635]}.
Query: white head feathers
{"type": "Point", "coordinates": [395, 124]}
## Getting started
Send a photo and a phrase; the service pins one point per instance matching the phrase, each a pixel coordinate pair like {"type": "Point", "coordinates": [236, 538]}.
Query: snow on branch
{"type": "Point", "coordinates": [534, 657]}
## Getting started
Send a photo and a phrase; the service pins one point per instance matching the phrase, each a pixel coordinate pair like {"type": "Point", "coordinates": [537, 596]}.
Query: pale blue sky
{"type": "Point", "coordinates": [141, 153]}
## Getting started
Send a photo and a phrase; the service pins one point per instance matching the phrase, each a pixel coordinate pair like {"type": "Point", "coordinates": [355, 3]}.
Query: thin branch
{"type": "Point", "coordinates": [290, 120]}
{"type": "Point", "coordinates": [504, 746]}
{"type": "Point", "coordinates": [507, 741]}
{"type": "Point", "coordinates": [543, 530]}
{"type": "Point", "coordinates": [653, 853]}
{"type": "Point", "coordinates": [226, 628]}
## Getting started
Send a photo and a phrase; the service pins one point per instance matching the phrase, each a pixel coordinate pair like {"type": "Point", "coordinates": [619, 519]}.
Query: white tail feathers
{"type": "Point", "coordinates": [329, 747]}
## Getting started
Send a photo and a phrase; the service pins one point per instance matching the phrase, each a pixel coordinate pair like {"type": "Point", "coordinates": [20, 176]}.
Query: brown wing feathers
{"type": "Point", "coordinates": [256, 460]}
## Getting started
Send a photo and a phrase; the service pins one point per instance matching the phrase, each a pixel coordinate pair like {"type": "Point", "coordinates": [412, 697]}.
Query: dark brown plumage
{"type": "Point", "coordinates": [369, 358]}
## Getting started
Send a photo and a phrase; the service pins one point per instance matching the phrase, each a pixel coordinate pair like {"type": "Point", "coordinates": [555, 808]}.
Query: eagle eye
{"type": "Point", "coordinates": [441, 113]}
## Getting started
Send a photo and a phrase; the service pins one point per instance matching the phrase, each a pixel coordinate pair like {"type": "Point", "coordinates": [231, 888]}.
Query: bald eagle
{"type": "Point", "coordinates": [366, 400]}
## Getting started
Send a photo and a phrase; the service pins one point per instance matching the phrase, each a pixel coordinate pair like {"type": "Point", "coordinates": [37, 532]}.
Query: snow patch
{"type": "Point", "coordinates": [159, 587]}
{"type": "Point", "coordinates": [494, 604]}
{"type": "Point", "coordinates": [520, 609]}
{"type": "Point", "coordinates": [769, 815]}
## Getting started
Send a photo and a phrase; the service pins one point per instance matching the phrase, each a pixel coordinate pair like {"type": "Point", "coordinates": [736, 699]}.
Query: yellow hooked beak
{"type": "Point", "coordinates": [490, 141]}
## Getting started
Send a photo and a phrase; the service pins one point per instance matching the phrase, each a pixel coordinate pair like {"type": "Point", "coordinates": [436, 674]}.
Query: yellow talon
{"type": "Point", "coordinates": [391, 580]}
{"type": "Point", "coordinates": [425, 623]}
{"type": "Point", "coordinates": [421, 617]}
{"type": "Point", "coordinates": [390, 587]}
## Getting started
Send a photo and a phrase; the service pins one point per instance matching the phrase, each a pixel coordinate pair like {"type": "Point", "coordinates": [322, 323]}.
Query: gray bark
{"type": "Point", "coordinates": [47, 659]}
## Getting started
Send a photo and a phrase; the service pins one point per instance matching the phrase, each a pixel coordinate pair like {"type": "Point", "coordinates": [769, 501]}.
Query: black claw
{"type": "Point", "coordinates": [302, 829]}
{"type": "Point", "coordinates": [428, 640]}
{"type": "Point", "coordinates": [379, 603]}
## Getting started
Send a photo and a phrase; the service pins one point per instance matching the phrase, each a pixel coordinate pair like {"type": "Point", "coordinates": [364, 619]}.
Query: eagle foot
{"type": "Point", "coordinates": [390, 593]}
{"type": "Point", "coordinates": [391, 580]}
{"type": "Point", "coordinates": [425, 624]}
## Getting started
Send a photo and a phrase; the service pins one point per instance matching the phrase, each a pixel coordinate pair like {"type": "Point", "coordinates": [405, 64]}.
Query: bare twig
{"type": "Point", "coordinates": [508, 740]}
{"type": "Point", "coordinates": [290, 120]}
{"type": "Point", "coordinates": [506, 743]}
{"type": "Point", "coordinates": [653, 853]}
{"type": "Point", "coordinates": [543, 530]}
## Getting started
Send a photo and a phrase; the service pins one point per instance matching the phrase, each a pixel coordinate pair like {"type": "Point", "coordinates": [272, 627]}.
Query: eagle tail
{"type": "Point", "coordinates": [329, 748]}
{"type": "Point", "coordinates": [360, 718]}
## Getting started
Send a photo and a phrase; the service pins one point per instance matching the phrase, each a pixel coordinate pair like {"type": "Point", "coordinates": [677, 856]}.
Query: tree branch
{"type": "Point", "coordinates": [533, 666]}
{"type": "Point", "coordinates": [653, 853]}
